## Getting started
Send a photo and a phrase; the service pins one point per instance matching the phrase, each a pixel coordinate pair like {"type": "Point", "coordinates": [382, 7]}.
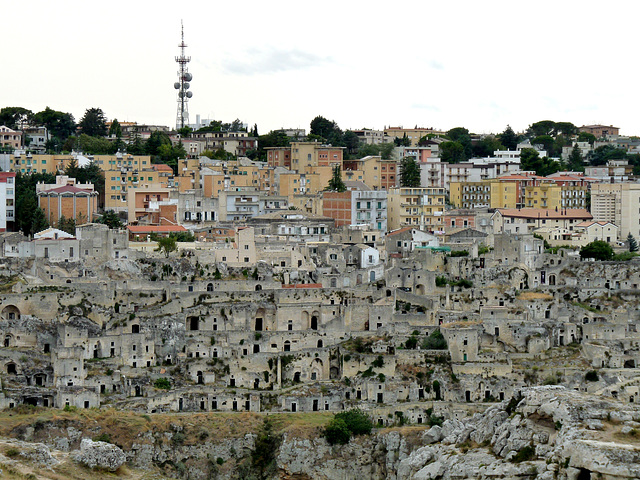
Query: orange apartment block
{"type": "Point", "coordinates": [337, 205]}
{"type": "Point", "coordinates": [279, 156]}
{"type": "Point", "coordinates": [151, 206]}
{"type": "Point", "coordinates": [69, 201]}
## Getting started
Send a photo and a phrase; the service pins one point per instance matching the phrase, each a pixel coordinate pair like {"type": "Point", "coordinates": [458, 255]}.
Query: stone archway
{"type": "Point", "coordinates": [11, 312]}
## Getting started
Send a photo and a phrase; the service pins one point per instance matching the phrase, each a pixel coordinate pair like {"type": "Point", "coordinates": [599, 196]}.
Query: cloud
{"type": "Point", "coordinates": [436, 65]}
{"type": "Point", "coordinates": [269, 61]}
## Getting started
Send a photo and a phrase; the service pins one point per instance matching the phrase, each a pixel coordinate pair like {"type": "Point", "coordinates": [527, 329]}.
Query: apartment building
{"type": "Point", "coordinates": [618, 203]}
{"type": "Point", "coordinates": [526, 220]}
{"type": "Point", "coordinates": [67, 198]}
{"type": "Point", "coordinates": [10, 138]}
{"type": "Point", "coordinates": [120, 182]}
{"type": "Point", "coordinates": [420, 207]}
{"type": "Point", "coordinates": [39, 163]}
{"type": "Point", "coordinates": [413, 134]}
{"type": "Point", "coordinates": [361, 206]}
{"type": "Point", "coordinates": [7, 200]}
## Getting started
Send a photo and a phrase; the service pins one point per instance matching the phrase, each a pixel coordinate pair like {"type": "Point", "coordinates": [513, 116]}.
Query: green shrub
{"type": "Point", "coordinates": [12, 452]}
{"type": "Point", "coordinates": [378, 362]}
{"type": "Point", "coordinates": [219, 460]}
{"type": "Point", "coordinates": [178, 438]}
{"type": "Point", "coordinates": [524, 454]}
{"type": "Point", "coordinates": [441, 281]}
{"type": "Point", "coordinates": [162, 383]}
{"type": "Point", "coordinates": [357, 421]}
{"type": "Point", "coordinates": [337, 432]}
{"type": "Point", "coordinates": [103, 437]}
{"type": "Point", "coordinates": [435, 341]}
{"type": "Point", "coordinates": [411, 343]}
{"type": "Point", "coordinates": [70, 408]}
{"type": "Point", "coordinates": [459, 253]}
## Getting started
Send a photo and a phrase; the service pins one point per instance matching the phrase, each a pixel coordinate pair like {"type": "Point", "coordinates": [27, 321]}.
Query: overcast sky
{"type": "Point", "coordinates": [440, 64]}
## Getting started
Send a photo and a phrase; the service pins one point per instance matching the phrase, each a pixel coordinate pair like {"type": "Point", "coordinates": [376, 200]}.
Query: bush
{"type": "Point", "coordinates": [524, 454]}
{"type": "Point", "coordinates": [441, 281]}
{"type": "Point", "coordinates": [591, 376]}
{"type": "Point", "coordinates": [459, 253]}
{"type": "Point", "coordinates": [70, 408]}
{"type": "Point", "coordinates": [220, 460]}
{"type": "Point", "coordinates": [12, 452]}
{"type": "Point", "coordinates": [378, 362]}
{"type": "Point", "coordinates": [411, 343]}
{"type": "Point", "coordinates": [435, 341]}
{"type": "Point", "coordinates": [357, 421]}
{"type": "Point", "coordinates": [103, 437]}
{"type": "Point", "coordinates": [162, 383]}
{"type": "Point", "coordinates": [337, 432]}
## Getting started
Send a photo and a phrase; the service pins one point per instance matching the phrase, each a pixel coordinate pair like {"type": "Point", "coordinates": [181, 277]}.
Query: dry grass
{"type": "Point", "coordinates": [531, 296]}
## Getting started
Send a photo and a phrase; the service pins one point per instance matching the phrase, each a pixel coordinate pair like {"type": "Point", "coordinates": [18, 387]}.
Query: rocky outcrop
{"type": "Point", "coordinates": [100, 455]}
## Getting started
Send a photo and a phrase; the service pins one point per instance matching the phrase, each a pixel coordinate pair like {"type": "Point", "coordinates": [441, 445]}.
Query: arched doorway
{"type": "Point", "coordinates": [314, 322]}
{"type": "Point", "coordinates": [210, 287]}
{"type": "Point", "coordinates": [552, 279]}
{"type": "Point", "coordinates": [420, 290]}
{"type": "Point", "coordinates": [11, 312]}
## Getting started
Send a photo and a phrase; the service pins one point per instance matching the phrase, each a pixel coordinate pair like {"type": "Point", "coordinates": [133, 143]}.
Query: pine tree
{"type": "Point", "coordinates": [336, 184]}
{"type": "Point", "coordinates": [39, 221]}
{"type": "Point", "coordinates": [633, 243]}
{"type": "Point", "coordinates": [409, 173]}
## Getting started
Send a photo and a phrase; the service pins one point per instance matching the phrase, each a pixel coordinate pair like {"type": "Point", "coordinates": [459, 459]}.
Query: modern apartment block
{"type": "Point", "coordinates": [7, 200]}
{"type": "Point", "coordinates": [618, 203]}
{"type": "Point", "coordinates": [419, 207]}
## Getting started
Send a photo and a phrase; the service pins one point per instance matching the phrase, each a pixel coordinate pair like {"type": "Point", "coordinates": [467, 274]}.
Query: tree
{"type": "Point", "coordinates": [508, 138]}
{"type": "Point", "coordinates": [185, 131]}
{"type": "Point", "coordinates": [322, 127]}
{"type": "Point", "coordinates": [409, 172]}
{"type": "Point", "coordinates": [402, 142]}
{"type": "Point", "coordinates": [452, 152]}
{"type": "Point", "coordinates": [487, 146]}
{"type": "Point", "coordinates": [110, 219]}
{"type": "Point", "coordinates": [336, 184]}
{"type": "Point", "coordinates": [574, 163]}
{"type": "Point", "coordinates": [115, 130]}
{"type": "Point", "coordinates": [633, 243]}
{"type": "Point", "coordinates": [351, 141]}
{"type": "Point", "coordinates": [547, 142]}
{"type": "Point", "coordinates": [93, 123]}
{"type": "Point", "coordinates": [598, 249]}
{"type": "Point", "coordinates": [544, 127]}
{"type": "Point", "coordinates": [461, 135]}
{"type": "Point", "coordinates": [530, 161]}
{"type": "Point", "coordinates": [38, 221]}
{"type": "Point", "coordinates": [15, 117]}
{"type": "Point", "coordinates": [60, 125]}
{"type": "Point", "coordinates": [96, 145]}
{"type": "Point", "coordinates": [167, 245]}
{"type": "Point", "coordinates": [604, 153]}
{"type": "Point", "coordinates": [586, 137]}
{"type": "Point", "coordinates": [265, 451]}
{"type": "Point", "coordinates": [337, 432]}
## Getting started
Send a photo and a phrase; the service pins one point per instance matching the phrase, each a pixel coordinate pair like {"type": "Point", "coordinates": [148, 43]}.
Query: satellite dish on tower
{"type": "Point", "coordinates": [176, 85]}
{"type": "Point", "coordinates": [188, 77]}
{"type": "Point", "coordinates": [186, 85]}
{"type": "Point", "coordinates": [189, 94]}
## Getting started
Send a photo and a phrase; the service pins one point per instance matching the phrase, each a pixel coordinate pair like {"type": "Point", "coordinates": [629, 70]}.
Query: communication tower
{"type": "Point", "coordinates": [182, 85]}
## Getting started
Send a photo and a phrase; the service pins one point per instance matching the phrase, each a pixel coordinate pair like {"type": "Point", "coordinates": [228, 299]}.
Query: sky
{"type": "Point", "coordinates": [364, 64]}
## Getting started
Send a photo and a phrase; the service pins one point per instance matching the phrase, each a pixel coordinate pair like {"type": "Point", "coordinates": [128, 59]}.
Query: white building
{"type": "Point", "coordinates": [7, 200]}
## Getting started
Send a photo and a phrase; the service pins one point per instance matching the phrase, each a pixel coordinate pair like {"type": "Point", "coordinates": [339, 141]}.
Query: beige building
{"type": "Point", "coordinates": [413, 134]}
{"type": "Point", "coordinates": [618, 203]}
{"type": "Point", "coordinates": [10, 138]}
{"type": "Point", "coordinates": [419, 207]}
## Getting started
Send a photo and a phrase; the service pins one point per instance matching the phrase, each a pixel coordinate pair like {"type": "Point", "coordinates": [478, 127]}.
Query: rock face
{"type": "Point", "coordinates": [100, 455]}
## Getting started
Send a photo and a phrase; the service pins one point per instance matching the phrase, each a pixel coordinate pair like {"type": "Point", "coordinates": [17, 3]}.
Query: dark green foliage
{"type": "Point", "coordinates": [452, 152]}
{"type": "Point", "coordinates": [513, 403]}
{"type": "Point", "coordinates": [337, 432]}
{"type": "Point", "coordinates": [411, 343]}
{"type": "Point", "coordinates": [604, 153]}
{"type": "Point", "coordinates": [461, 136]}
{"type": "Point", "coordinates": [336, 184]}
{"type": "Point", "coordinates": [441, 281]}
{"type": "Point", "coordinates": [166, 245]}
{"type": "Point", "coordinates": [29, 218]}
{"type": "Point", "coordinates": [530, 161]}
{"type": "Point", "coordinates": [67, 225]}
{"type": "Point", "coordinates": [93, 123]}
{"type": "Point", "coordinates": [263, 456]}
{"type": "Point", "coordinates": [378, 362]}
{"type": "Point", "coordinates": [356, 421]}
{"type": "Point", "coordinates": [103, 437]}
{"type": "Point", "coordinates": [409, 172]}
{"type": "Point", "coordinates": [326, 130]}
{"type": "Point", "coordinates": [162, 383]}
{"type": "Point", "coordinates": [90, 173]}
{"type": "Point", "coordinates": [459, 253]}
{"type": "Point", "coordinates": [435, 341]}
{"type": "Point", "coordinates": [591, 376]}
{"type": "Point", "coordinates": [436, 389]}
{"type": "Point", "coordinates": [60, 125]}
{"type": "Point", "coordinates": [598, 249]}
{"type": "Point", "coordinates": [487, 146]}
{"type": "Point", "coordinates": [435, 420]}
{"type": "Point", "coordinates": [508, 138]}
{"type": "Point", "coordinates": [110, 219]}
{"type": "Point", "coordinates": [575, 162]}
{"type": "Point", "coordinates": [15, 117]}
{"type": "Point", "coordinates": [383, 150]}
{"type": "Point", "coordinates": [524, 454]}
{"type": "Point", "coordinates": [633, 243]}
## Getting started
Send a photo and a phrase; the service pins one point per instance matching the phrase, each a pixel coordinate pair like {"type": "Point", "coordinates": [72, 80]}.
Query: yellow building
{"type": "Point", "coordinates": [53, 164]}
{"type": "Point", "coordinates": [487, 193]}
{"type": "Point", "coordinates": [413, 134]}
{"type": "Point", "coordinates": [419, 207]}
{"type": "Point", "coordinates": [120, 182]}
{"type": "Point", "coordinates": [306, 157]}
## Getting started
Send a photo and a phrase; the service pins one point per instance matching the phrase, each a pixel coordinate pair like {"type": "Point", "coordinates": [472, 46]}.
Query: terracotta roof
{"type": "Point", "coordinates": [400, 230]}
{"type": "Point", "coordinates": [68, 189]}
{"type": "Point", "coordinates": [161, 167]}
{"type": "Point", "coordinates": [156, 228]}
{"type": "Point", "coordinates": [544, 214]}
{"type": "Point", "coordinates": [588, 224]}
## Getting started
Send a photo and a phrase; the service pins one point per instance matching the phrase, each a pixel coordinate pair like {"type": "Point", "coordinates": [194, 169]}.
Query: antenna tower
{"type": "Point", "coordinates": [182, 86]}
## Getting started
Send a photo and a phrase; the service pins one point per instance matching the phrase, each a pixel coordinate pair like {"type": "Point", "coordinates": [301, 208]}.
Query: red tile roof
{"type": "Point", "coordinates": [156, 228]}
